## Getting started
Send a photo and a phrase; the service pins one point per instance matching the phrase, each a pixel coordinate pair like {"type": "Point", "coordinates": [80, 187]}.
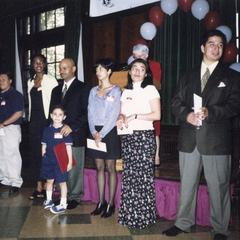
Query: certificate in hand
{"type": "Point", "coordinates": [124, 131]}
{"type": "Point", "coordinates": [197, 104]}
{"type": "Point", "coordinates": [60, 151]}
{"type": "Point", "coordinates": [91, 144]}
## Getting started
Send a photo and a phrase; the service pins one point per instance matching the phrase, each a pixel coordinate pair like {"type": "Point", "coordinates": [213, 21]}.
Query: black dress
{"type": "Point", "coordinates": [37, 123]}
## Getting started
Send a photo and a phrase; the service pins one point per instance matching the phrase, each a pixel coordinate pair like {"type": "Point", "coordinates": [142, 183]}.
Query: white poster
{"type": "Point", "coordinates": [103, 7]}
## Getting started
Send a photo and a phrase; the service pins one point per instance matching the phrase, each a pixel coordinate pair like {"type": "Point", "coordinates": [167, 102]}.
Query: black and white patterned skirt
{"type": "Point", "coordinates": [137, 207]}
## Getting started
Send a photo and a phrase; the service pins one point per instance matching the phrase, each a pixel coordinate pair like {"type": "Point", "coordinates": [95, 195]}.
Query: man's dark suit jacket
{"type": "Point", "coordinates": [75, 104]}
{"type": "Point", "coordinates": [221, 96]}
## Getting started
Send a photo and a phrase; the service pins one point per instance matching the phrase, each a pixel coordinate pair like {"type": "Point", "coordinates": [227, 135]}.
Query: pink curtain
{"type": "Point", "coordinates": [167, 195]}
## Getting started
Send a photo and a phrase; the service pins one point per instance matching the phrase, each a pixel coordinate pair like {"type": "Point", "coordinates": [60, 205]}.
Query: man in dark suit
{"type": "Point", "coordinates": [205, 136]}
{"type": "Point", "coordinates": [73, 96]}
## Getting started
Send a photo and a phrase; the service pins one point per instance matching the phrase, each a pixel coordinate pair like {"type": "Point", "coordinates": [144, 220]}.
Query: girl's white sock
{"type": "Point", "coordinates": [63, 201]}
{"type": "Point", "coordinates": [49, 195]}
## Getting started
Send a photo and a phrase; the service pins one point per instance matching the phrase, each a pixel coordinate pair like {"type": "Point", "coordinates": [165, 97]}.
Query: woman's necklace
{"type": "Point", "coordinates": [37, 82]}
{"type": "Point", "coordinates": [102, 90]}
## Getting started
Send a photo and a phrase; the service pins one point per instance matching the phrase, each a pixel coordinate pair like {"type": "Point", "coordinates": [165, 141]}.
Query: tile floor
{"type": "Point", "coordinates": [21, 218]}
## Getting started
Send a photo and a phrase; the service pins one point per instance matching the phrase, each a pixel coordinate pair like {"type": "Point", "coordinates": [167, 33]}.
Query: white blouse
{"type": "Point", "coordinates": [137, 101]}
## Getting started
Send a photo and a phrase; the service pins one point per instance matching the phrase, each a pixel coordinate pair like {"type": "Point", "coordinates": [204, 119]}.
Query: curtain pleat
{"type": "Point", "coordinates": [72, 23]}
{"type": "Point", "coordinates": [177, 48]}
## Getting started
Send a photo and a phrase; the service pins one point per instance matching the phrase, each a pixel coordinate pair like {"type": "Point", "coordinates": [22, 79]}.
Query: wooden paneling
{"type": "Point", "coordinates": [104, 39]}
{"type": "Point", "coordinates": [130, 31]}
{"type": "Point", "coordinates": [112, 37]}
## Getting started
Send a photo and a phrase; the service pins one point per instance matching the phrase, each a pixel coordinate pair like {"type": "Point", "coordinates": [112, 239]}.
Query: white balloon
{"type": "Point", "coordinates": [148, 30]}
{"type": "Point", "coordinates": [169, 6]}
{"type": "Point", "coordinates": [235, 66]}
{"type": "Point", "coordinates": [199, 9]}
{"type": "Point", "coordinates": [226, 31]}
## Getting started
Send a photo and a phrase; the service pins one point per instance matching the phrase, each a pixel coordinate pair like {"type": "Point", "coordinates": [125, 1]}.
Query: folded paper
{"type": "Point", "coordinates": [92, 144]}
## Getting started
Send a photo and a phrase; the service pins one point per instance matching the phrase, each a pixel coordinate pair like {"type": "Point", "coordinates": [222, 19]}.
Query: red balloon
{"type": "Point", "coordinates": [212, 20]}
{"type": "Point", "coordinates": [185, 5]}
{"type": "Point", "coordinates": [230, 53]}
{"type": "Point", "coordinates": [140, 41]}
{"type": "Point", "coordinates": [156, 16]}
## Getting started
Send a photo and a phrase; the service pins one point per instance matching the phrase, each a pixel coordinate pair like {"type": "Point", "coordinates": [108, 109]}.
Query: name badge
{"type": "Point", "coordinates": [129, 98]}
{"type": "Point", "coordinates": [110, 98]}
{"type": "Point", "coordinates": [58, 135]}
{"type": "Point", "coordinates": [3, 103]}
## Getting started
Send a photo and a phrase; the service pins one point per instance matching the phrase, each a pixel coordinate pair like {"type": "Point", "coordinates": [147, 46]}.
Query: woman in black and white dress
{"type": "Point", "coordinates": [140, 106]}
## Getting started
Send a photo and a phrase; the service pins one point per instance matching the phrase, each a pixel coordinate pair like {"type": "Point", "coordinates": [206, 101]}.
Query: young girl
{"type": "Point", "coordinates": [50, 168]}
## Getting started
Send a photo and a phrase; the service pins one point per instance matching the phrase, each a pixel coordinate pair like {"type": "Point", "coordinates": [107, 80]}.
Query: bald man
{"type": "Point", "coordinates": [73, 96]}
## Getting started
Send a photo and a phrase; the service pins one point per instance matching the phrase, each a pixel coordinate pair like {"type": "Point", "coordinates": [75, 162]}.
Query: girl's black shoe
{"type": "Point", "coordinates": [101, 207]}
{"type": "Point", "coordinates": [109, 211]}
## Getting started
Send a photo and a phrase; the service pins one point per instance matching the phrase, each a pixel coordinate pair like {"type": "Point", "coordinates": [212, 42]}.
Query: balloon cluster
{"type": "Point", "coordinates": [200, 10]}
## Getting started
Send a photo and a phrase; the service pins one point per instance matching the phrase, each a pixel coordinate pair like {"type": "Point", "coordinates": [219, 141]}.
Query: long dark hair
{"type": "Point", "coordinates": [148, 78]}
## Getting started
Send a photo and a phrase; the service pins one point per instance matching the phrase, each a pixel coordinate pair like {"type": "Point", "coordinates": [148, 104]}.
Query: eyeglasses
{"type": "Point", "coordinates": [213, 45]}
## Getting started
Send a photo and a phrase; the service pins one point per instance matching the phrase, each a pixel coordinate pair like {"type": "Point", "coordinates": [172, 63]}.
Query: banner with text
{"type": "Point", "coordinates": [103, 7]}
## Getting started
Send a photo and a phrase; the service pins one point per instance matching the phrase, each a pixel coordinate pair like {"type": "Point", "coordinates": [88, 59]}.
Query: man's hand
{"type": "Point", "coordinates": [193, 118]}
{"type": "Point", "coordinates": [203, 113]}
{"type": "Point", "coordinates": [66, 130]}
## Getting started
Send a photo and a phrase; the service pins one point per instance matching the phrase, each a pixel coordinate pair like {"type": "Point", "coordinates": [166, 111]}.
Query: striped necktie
{"type": "Point", "coordinates": [64, 90]}
{"type": "Point", "coordinates": [205, 78]}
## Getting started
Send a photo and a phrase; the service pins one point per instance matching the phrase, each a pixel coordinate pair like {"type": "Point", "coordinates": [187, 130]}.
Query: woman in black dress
{"type": "Point", "coordinates": [39, 95]}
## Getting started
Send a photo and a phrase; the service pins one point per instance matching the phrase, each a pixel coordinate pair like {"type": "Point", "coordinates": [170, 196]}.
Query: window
{"type": "Point", "coordinates": [43, 32]}
{"type": "Point", "coordinates": [54, 55]}
{"type": "Point", "coordinates": [51, 19]}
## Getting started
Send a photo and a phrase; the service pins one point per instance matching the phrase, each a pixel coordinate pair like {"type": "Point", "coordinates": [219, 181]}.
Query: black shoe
{"type": "Point", "coordinates": [173, 231]}
{"type": "Point", "coordinates": [71, 204]}
{"type": "Point", "coordinates": [101, 207]}
{"type": "Point", "coordinates": [109, 211]}
{"type": "Point", "coordinates": [3, 186]}
{"type": "Point", "coordinates": [220, 236]}
{"type": "Point", "coordinates": [13, 190]}
{"type": "Point", "coordinates": [37, 194]}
